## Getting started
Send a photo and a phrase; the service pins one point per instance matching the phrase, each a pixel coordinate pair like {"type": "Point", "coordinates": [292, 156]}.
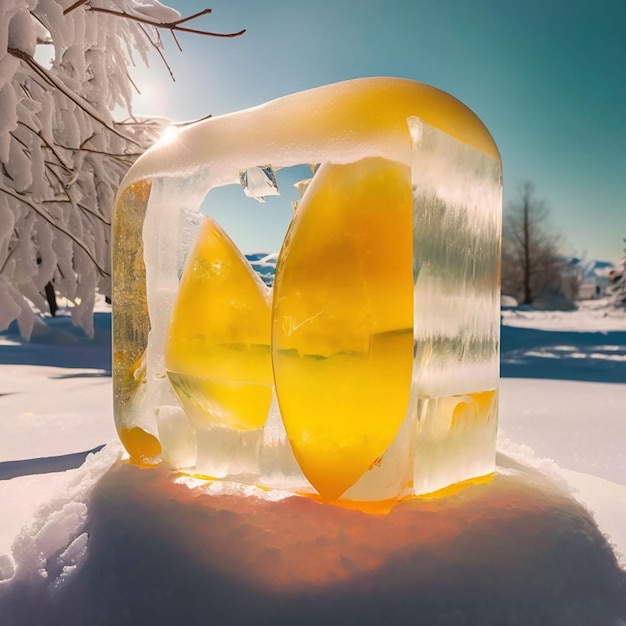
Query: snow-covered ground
{"type": "Point", "coordinates": [103, 542]}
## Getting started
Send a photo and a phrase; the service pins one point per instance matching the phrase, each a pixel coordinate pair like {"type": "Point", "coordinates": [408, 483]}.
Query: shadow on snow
{"type": "Point", "coordinates": [563, 355]}
{"type": "Point", "coordinates": [44, 465]}
{"type": "Point", "coordinates": [60, 344]}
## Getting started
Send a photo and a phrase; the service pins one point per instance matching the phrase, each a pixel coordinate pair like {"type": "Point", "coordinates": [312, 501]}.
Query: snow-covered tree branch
{"type": "Point", "coordinates": [62, 152]}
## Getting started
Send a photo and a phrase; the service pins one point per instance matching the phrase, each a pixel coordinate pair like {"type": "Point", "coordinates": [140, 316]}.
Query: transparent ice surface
{"type": "Point", "coordinates": [456, 230]}
{"type": "Point", "coordinates": [448, 434]}
{"type": "Point", "coordinates": [258, 182]}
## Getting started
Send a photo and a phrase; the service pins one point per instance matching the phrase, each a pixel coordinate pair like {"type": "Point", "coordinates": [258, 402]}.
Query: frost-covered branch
{"type": "Point", "coordinates": [159, 50]}
{"type": "Point", "coordinates": [62, 153]}
{"type": "Point", "coordinates": [48, 144]}
{"type": "Point", "coordinates": [48, 218]}
{"type": "Point", "coordinates": [74, 6]}
{"type": "Point", "coordinates": [126, 157]}
{"type": "Point", "coordinates": [54, 82]}
{"type": "Point", "coordinates": [171, 26]}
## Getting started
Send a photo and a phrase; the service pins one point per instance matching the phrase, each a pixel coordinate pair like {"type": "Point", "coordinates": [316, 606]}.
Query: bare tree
{"type": "Point", "coordinates": [617, 290]}
{"type": "Point", "coordinates": [531, 263]}
{"type": "Point", "coordinates": [62, 151]}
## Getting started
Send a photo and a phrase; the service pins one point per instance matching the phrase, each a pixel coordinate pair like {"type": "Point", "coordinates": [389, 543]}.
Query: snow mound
{"type": "Point", "coordinates": [140, 546]}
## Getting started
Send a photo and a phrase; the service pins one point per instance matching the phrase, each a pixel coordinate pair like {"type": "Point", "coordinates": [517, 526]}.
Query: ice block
{"type": "Point", "coordinates": [369, 372]}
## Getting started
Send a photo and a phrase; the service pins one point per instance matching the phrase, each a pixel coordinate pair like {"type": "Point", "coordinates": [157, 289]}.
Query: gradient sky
{"type": "Point", "coordinates": [547, 77]}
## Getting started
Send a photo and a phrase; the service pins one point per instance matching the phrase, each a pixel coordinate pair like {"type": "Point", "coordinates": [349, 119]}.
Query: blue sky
{"type": "Point", "coordinates": [547, 77]}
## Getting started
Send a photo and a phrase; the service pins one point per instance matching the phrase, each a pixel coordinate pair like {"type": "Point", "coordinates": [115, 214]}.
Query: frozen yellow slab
{"type": "Point", "coordinates": [342, 341]}
{"type": "Point", "coordinates": [217, 352]}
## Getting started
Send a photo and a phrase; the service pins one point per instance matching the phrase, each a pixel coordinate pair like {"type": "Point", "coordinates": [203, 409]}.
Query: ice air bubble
{"type": "Point", "coordinates": [259, 182]}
